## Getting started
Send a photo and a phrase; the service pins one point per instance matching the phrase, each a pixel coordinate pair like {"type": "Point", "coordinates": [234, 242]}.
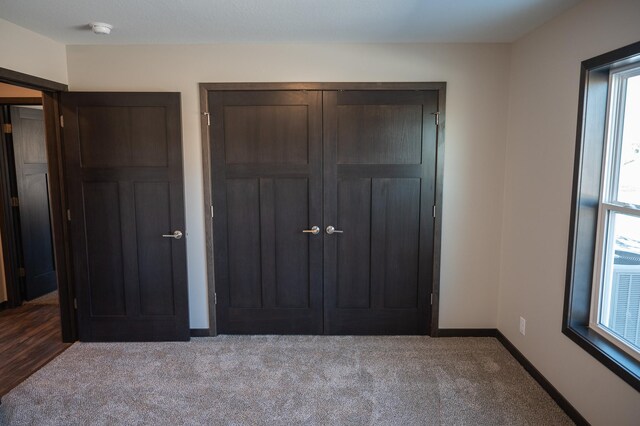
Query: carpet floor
{"type": "Point", "coordinates": [283, 380]}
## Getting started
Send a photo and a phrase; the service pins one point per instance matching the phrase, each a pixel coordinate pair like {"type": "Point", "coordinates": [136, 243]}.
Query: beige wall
{"type": "Point", "coordinates": [28, 52]}
{"type": "Point", "coordinates": [475, 136]}
{"type": "Point", "coordinates": [542, 118]}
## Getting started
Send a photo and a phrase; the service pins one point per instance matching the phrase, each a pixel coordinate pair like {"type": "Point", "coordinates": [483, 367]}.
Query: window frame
{"type": "Point", "coordinates": [608, 203]}
{"type": "Point", "coordinates": [585, 254]}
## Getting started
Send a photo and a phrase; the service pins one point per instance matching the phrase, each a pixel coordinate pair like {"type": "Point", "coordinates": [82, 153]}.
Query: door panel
{"type": "Point", "coordinates": [136, 141]}
{"type": "Point", "coordinates": [155, 269]}
{"type": "Point", "coordinates": [33, 193]}
{"type": "Point", "coordinates": [291, 202]}
{"type": "Point", "coordinates": [266, 134]}
{"type": "Point", "coordinates": [267, 189]}
{"type": "Point", "coordinates": [35, 205]}
{"type": "Point", "coordinates": [148, 140]}
{"type": "Point", "coordinates": [395, 246]}
{"type": "Point", "coordinates": [364, 132]}
{"type": "Point", "coordinates": [123, 155]}
{"type": "Point", "coordinates": [103, 144]}
{"type": "Point", "coordinates": [354, 253]}
{"type": "Point", "coordinates": [379, 180]}
{"type": "Point", "coordinates": [105, 265]}
{"type": "Point", "coordinates": [243, 211]}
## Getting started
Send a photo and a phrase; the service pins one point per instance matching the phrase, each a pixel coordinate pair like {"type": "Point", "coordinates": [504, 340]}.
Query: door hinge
{"type": "Point", "coordinates": [437, 114]}
{"type": "Point", "coordinates": [211, 211]}
{"type": "Point", "coordinates": [432, 298]}
{"type": "Point", "coordinates": [215, 298]}
{"type": "Point", "coordinates": [22, 272]}
{"type": "Point", "coordinates": [7, 128]}
{"type": "Point", "coordinates": [206, 114]}
{"type": "Point", "coordinates": [68, 215]}
{"type": "Point", "coordinates": [75, 303]}
{"type": "Point", "coordinates": [15, 202]}
{"type": "Point", "coordinates": [434, 210]}
{"type": "Point", "coordinates": [61, 121]}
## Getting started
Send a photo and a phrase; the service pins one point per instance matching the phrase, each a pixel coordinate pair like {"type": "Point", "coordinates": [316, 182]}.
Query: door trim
{"type": "Point", "coordinates": [31, 81]}
{"type": "Point", "coordinates": [205, 88]}
{"type": "Point", "coordinates": [57, 196]}
{"type": "Point", "coordinates": [20, 101]}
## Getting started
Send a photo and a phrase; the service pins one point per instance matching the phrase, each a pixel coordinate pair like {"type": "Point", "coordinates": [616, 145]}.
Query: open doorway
{"type": "Point", "coordinates": [30, 324]}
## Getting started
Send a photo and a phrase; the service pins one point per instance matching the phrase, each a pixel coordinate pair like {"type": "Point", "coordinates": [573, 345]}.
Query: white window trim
{"type": "Point", "coordinates": [610, 164]}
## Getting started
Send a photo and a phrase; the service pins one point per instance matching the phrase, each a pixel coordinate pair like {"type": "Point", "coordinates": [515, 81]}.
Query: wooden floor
{"type": "Point", "coordinates": [30, 337]}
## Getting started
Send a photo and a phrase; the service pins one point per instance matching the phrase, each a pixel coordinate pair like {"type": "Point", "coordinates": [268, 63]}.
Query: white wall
{"type": "Point", "coordinates": [475, 136]}
{"type": "Point", "coordinates": [542, 120]}
{"type": "Point", "coordinates": [30, 53]}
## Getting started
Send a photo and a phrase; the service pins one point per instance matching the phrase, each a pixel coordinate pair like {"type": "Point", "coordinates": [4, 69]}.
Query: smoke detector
{"type": "Point", "coordinates": [101, 28]}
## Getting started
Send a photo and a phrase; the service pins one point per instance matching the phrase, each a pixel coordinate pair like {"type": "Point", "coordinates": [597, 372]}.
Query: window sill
{"type": "Point", "coordinates": [614, 358]}
{"type": "Point", "coordinates": [616, 341]}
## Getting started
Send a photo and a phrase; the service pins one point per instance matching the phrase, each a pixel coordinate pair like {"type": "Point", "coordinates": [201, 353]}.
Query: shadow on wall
{"type": "Point", "coordinates": [3, 284]}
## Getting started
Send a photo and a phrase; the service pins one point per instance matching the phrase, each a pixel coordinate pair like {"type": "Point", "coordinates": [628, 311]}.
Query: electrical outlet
{"type": "Point", "coordinates": [523, 325]}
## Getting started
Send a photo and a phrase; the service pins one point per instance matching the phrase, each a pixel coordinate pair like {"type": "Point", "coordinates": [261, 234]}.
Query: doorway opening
{"type": "Point", "coordinates": [31, 246]}
{"type": "Point", "coordinates": [30, 320]}
{"type": "Point", "coordinates": [31, 327]}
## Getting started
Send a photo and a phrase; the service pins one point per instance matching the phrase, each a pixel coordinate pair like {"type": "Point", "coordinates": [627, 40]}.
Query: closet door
{"type": "Point", "coordinates": [379, 191]}
{"type": "Point", "coordinates": [266, 166]}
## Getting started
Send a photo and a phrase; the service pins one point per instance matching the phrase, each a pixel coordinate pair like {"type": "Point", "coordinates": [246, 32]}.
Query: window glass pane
{"type": "Point", "coordinates": [629, 178]}
{"type": "Point", "coordinates": [620, 304]}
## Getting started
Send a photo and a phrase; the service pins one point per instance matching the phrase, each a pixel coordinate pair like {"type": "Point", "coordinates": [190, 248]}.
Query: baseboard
{"type": "Point", "coordinates": [467, 332]}
{"type": "Point", "coordinates": [542, 381]}
{"type": "Point", "coordinates": [200, 332]}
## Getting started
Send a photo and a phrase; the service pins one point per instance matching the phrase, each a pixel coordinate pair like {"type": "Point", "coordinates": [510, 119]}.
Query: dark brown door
{"type": "Point", "coordinates": [362, 162]}
{"type": "Point", "coordinates": [33, 195]}
{"type": "Point", "coordinates": [123, 159]}
{"type": "Point", "coordinates": [267, 189]}
{"type": "Point", "coordinates": [379, 191]}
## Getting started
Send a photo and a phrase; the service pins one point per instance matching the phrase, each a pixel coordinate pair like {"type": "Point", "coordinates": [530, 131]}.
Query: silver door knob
{"type": "Point", "coordinates": [314, 230]}
{"type": "Point", "coordinates": [176, 234]}
{"type": "Point", "coordinates": [331, 230]}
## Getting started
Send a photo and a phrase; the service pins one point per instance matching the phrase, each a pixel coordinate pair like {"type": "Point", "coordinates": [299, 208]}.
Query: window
{"type": "Point", "coordinates": [602, 298]}
{"type": "Point", "coordinates": [615, 309]}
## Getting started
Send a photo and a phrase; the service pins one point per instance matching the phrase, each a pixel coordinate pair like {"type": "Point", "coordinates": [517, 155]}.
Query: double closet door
{"type": "Point", "coordinates": [323, 206]}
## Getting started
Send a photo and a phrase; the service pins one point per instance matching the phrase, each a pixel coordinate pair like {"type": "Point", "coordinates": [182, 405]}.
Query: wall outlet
{"type": "Point", "coordinates": [523, 325]}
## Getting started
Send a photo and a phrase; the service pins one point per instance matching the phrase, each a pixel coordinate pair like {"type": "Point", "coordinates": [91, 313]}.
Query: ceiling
{"type": "Point", "coordinates": [284, 21]}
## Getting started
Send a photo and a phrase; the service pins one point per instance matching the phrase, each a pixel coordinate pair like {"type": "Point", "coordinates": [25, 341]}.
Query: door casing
{"type": "Point", "coordinates": [205, 120]}
{"type": "Point", "coordinates": [57, 196]}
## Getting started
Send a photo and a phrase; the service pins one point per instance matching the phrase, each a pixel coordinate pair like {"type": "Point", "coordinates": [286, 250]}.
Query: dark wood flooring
{"type": "Point", "coordinates": [30, 337]}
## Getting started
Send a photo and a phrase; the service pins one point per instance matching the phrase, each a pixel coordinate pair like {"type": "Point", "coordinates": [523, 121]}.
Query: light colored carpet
{"type": "Point", "coordinates": [278, 380]}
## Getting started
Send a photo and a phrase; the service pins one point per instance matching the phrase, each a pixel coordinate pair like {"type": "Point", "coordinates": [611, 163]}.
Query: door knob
{"type": "Point", "coordinates": [176, 234]}
{"type": "Point", "coordinates": [331, 230]}
{"type": "Point", "coordinates": [314, 230]}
